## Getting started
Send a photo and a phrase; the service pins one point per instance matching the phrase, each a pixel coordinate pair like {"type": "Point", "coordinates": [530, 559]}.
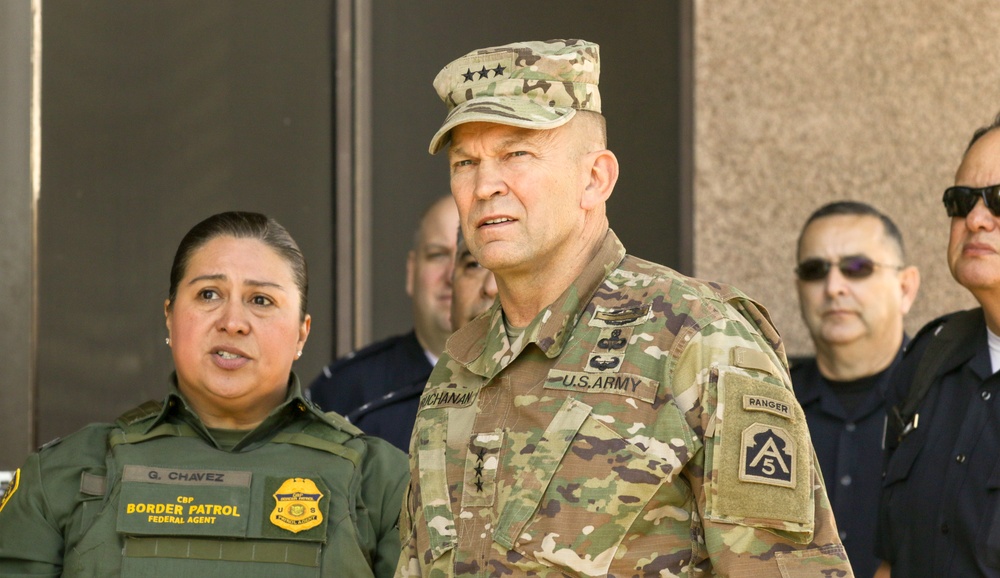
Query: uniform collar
{"type": "Point", "coordinates": [549, 330]}
{"type": "Point", "coordinates": [974, 350]}
{"type": "Point", "coordinates": [811, 387]}
{"type": "Point", "coordinates": [810, 384]}
{"type": "Point", "coordinates": [176, 407]}
{"type": "Point", "coordinates": [977, 358]}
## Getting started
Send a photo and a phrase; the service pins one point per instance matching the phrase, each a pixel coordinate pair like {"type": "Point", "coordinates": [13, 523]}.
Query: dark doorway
{"type": "Point", "coordinates": [156, 115]}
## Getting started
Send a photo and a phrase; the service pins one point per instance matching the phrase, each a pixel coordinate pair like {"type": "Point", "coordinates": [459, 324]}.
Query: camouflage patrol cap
{"type": "Point", "coordinates": [537, 85]}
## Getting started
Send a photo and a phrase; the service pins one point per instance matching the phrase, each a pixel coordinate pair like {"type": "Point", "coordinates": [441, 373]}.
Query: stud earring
{"type": "Point", "coordinates": [299, 354]}
{"type": "Point", "coordinates": [168, 341]}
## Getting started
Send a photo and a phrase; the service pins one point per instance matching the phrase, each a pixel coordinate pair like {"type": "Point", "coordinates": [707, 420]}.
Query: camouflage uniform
{"type": "Point", "coordinates": [642, 424]}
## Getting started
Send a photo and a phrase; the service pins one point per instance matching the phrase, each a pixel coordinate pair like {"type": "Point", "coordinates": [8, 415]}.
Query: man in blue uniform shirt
{"type": "Point", "coordinates": [377, 387]}
{"type": "Point", "coordinates": [853, 293]}
{"type": "Point", "coordinates": [939, 509]}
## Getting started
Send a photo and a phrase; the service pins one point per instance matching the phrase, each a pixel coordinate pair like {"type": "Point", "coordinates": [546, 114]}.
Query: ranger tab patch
{"type": "Point", "coordinates": [297, 505]}
{"type": "Point", "coordinates": [768, 456]}
{"type": "Point", "coordinates": [766, 404]}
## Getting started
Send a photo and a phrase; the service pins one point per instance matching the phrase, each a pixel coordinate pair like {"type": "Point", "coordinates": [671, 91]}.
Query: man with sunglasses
{"type": "Point", "coordinates": [939, 513]}
{"type": "Point", "coordinates": [853, 293]}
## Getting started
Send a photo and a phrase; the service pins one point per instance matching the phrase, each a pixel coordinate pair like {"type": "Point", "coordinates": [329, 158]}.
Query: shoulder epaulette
{"type": "Point", "coordinates": [953, 334]}
{"type": "Point", "coordinates": [932, 327]}
{"type": "Point", "coordinates": [372, 349]}
{"type": "Point", "coordinates": [145, 411]}
{"type": "Point", "coordinates": [328, 435]}
{"type": "Point", "coordinates": [50, 443]}
{"type": "Point", "coordinates": [340, 422]}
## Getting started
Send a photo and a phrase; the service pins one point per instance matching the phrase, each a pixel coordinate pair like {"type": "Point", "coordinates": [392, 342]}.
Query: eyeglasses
{"type": "Point", "coordinates": [852, 267]}
{"type": "Point", "coordinates": [959, 201]}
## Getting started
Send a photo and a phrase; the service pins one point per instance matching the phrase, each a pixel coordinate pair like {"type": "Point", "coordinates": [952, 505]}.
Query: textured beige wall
{"type": "Point", "coordinates": [799, 103]}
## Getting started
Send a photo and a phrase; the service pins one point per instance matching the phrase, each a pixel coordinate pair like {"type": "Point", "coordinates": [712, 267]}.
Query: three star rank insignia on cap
{"type": "Point", "coordinates": [473, 75]}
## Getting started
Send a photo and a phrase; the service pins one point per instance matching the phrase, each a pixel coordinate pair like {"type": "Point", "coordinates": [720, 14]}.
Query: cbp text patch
{"type": "Point", "coordinates": [767, 456]}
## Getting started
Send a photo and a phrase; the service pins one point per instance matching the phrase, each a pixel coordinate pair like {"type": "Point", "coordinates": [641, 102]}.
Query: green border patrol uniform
{"type": "Point", "coordinates": [155, 494]}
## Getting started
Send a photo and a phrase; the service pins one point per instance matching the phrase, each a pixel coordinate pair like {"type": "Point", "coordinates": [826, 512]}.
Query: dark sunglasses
{"type": "Point", "coordinates": [852, 267]}
{"type": "Point", "coordinates": [959, 201]}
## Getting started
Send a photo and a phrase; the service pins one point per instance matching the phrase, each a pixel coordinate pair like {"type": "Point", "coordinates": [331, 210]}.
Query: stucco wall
{"type": "Point", "coordinates": [799, 103]}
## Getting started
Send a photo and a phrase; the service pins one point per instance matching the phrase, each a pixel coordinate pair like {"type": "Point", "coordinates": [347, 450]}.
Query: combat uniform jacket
{"type": "Point", "coordinates": [303, 494]}
{"type": "Point", "coordinates": [642, 424]}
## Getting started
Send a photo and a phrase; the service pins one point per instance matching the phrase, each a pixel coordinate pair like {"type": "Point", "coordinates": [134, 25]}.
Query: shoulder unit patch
{"type": "Point", "coordinates": [768, 456]}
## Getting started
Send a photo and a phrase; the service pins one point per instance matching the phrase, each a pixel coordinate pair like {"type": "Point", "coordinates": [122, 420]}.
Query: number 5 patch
{"type": "Point", "coordinates": [768, 456]}
{"type": "Point", "coordinates": [760, 457]}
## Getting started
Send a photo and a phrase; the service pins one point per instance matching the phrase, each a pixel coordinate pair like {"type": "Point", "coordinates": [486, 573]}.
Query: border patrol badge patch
{"type": "Point", "coordinates": [297, 505]}
{"type": "Point", "coordinates": [768, 456]}
{"type": "Point", "coordinates": [11, 488]}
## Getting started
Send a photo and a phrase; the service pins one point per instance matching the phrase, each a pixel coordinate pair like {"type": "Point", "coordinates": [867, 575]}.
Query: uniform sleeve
{"type": "Point", "coordinates": [409, 564]}
{"type": "Point", "coordinates": [31, 543]}
{"type": "Point", "coordinates": [385, 479]}
{"type": "Point", "coordinates": [758, 487]}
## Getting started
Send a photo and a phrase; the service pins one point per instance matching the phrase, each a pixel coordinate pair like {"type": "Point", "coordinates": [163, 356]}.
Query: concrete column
{"type": "Point", "coordinates": [802, 103]}
{"type": "Point", "coordinates": [19, 53]}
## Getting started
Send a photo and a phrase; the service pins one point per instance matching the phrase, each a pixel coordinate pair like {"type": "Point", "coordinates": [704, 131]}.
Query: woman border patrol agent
{"type": "Point", "coordinates": [234, 473]}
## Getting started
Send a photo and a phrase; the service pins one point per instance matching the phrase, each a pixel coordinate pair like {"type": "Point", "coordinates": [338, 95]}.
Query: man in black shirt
{"type": "Point", "coordinates": [853, 293]}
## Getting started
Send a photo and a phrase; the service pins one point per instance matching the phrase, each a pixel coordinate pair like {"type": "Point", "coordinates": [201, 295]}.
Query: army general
{"type": "Point", "coordinates": [608, 416]}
